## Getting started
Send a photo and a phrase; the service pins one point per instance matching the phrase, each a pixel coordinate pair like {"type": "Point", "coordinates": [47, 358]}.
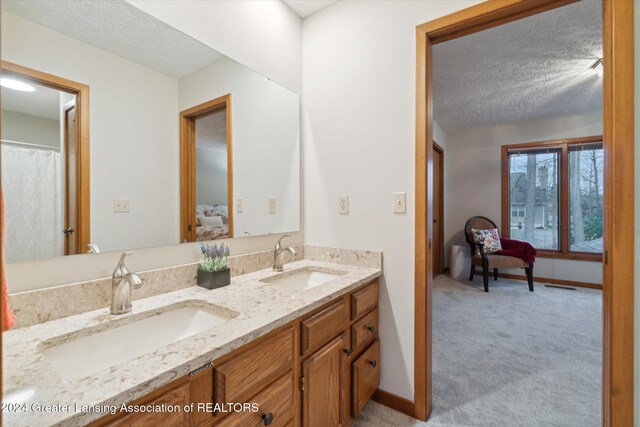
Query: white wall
{"type": "Point", "coordinates": [266, 36]}
{"type": "Point", "coordinates": [358, 139]}
{"type": "Point", "coordinates": [473, 182]}
{"type": "Point", "coordinates": [21, 127]}
{"type": "Point", "coordinates": [265, 139]}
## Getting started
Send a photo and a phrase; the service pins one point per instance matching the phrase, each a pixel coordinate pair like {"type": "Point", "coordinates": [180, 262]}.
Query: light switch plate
{"type": "Point", "coordinates": [343, 205]}
{"type": "Point", "coordinates": [272, 205]}
{"type": "Point", "coordinates": [240, 205]}
{"type": "Point", "coordinates": [121, 205]}
{"type": "Point", "coordinates": [400, 203]}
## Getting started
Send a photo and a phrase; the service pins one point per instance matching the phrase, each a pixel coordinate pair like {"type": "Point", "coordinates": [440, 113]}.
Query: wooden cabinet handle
{"type": "Point", "coordinates": [373, 363]}
{"type": "Point", "coordinates": [267, 418]}
{"type": "Point", "coordinates": [348, 351]}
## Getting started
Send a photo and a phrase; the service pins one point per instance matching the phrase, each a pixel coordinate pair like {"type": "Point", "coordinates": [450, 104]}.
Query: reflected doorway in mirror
{"type": "Point", "coordinates": [206, 171]}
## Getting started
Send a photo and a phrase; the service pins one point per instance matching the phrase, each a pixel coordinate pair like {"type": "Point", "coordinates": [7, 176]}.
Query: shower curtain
{"type": "Point", "coordinates": [31, 181]}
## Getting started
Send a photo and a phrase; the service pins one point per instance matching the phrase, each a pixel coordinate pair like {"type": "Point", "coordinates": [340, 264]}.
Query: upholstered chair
{"type": "Point", "coordinates": [479, 257]}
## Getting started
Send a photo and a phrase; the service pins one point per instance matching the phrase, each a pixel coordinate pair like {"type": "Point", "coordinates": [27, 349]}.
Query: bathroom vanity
{"type": "Point", "coordinates": [319, 369]}
{"type": "Point", "coordinates": [299, 347]}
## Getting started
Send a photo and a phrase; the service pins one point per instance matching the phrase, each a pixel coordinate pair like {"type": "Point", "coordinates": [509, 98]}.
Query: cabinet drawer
{"type": "Point", "coordinates": [364, 331]}
{"type": "Point", "coordinates": [238, 378]}
{"type": "Point", "coordinates": [178, 396]}
{"type": "Point", "coordinates": [321, 327]}
{"type": "Point", "coordinates": [275, 403]}
{"type": "Point", "coordinates": [366, 377]}
{"type": "Point", "coordinates": [364, 300]}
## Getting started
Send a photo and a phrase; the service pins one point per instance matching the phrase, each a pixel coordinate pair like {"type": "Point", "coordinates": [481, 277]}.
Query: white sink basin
{"type": "Point", "coordinates": [303, 279]}
{"type": "Point", "coordinates": [87, 352]}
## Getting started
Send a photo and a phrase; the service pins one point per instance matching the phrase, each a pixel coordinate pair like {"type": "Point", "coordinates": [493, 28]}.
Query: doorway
{"type": "Point", "coordinates": [59, 158]}
{"type": "Point", "coordinates": [618, 124]}
{"type": "Point", "coordinates": [206, 171]}
{"type": "Point", "coordinates": [438, 210]}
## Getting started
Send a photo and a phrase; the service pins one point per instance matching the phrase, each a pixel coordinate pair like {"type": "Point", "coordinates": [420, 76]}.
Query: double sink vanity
{"type": "Point", "coordinates": [298, 347]}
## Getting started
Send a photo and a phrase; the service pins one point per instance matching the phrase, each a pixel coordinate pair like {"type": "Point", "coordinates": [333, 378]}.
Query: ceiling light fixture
{"type": "Point", "coordinates": [597, 67]}
{"type": "Point", "coordinates": [16, 85]}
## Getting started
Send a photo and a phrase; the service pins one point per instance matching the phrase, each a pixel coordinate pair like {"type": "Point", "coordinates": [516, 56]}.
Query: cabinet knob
{"type": "Point", "coordinates": [348, 351]}
{"type": "Point", "coordinates": [373, 363]}
{"type": "Point", "coordinates": [372, 329]}
{"type": "Point", "coordinates": [267, 418]}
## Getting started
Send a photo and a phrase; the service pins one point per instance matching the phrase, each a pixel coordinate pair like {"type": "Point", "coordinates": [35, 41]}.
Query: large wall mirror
{"type": "Point", "coordinates": [119, 132]}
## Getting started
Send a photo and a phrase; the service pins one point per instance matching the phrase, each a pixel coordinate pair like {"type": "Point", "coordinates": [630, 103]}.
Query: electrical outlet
{"type": "Point", "coordinates": [240, 205]}
{"type": "Point", "coordinates": [400, 203]}
{"type": "Point", "coordinates": [121, 205]}
{"type": "Point", "coordinates": [343, 205]}
{"type": "Point", "coordinates": [272, 205]}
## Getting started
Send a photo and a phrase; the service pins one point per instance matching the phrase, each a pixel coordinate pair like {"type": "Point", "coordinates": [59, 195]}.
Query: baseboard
{"type": "Point", "coordinates": [560, 282]}
{"type": "Point", "coordinates": [392, 401]}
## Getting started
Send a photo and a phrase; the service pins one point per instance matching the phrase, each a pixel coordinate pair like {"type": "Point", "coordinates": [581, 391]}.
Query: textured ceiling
{"type": "Point", "coordinates": [43, 102]}
{"type": "Point", "coordinates": [119, 28]}
{"type": "Point", "coordinates": [211, 132]}
{"type": "Point", "coordinates": [306, 8]}
{"type": "Point", "coordinates": [534, 68]}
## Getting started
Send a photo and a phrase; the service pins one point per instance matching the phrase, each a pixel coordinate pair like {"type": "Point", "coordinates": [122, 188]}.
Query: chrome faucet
{"type": "Point", "coordinates": [121, 282]}
{"type": "Point", "coordinates": [277, 253]}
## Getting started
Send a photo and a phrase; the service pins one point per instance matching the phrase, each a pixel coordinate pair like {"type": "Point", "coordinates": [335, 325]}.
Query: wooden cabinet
{"type": "Point", "coordinates": [316, 371]}
{"type": "Point", "coordinates": [322, 386]}
{"type": "Point", "coordinates": [366, 377]}
{"type": "Point", "coordinates": [323, 326]}
{"type": "Point", "coordinates": [274, 403]}
{"type": "Point", "coordinates": [239, 377]}
{"type": "Point", "coordinates": [364, 331]}
{"type": "Point", "coordinates": [364, 300]}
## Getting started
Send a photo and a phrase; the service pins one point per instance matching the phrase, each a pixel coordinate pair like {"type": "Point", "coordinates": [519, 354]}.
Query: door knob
{"type": "Point", "coordinates": [68, 231]}
{"type": "Point", "coordinates": [371, 329]}
{"type": "Point", "coordinates": [373, 363]}
{"type": "Point", "coordinates": [267, 418]}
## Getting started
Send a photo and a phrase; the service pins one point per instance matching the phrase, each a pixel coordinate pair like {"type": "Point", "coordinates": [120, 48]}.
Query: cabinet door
{"type": "Point", "coordinates": [176, 398]}
{"type": "Point", "coordinates": [323, 383]}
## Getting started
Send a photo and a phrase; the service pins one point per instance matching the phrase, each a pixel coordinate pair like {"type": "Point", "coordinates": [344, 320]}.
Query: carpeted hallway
{"type": "Point", "coordinates": [510, 357]}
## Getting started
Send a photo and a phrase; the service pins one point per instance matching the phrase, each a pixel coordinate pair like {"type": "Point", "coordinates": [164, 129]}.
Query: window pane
{"type": "Point", "coordinates": [586, 165]}
{"type": "Point", "coordinates": [533, 197]}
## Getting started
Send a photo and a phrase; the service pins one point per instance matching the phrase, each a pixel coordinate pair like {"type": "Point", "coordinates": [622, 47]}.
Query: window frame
{"type": "Point", "coordinates": [563, 186]}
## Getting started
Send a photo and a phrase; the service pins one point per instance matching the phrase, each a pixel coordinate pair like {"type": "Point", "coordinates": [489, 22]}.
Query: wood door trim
{"type": "Point", "coordinates": [81, 92]}
{"type": "Point", "coordinates": [187, 164]}
{"type": "Point", "coordinates": [393, 401]}
{"type": "Point", "coordinates": [618, 140]}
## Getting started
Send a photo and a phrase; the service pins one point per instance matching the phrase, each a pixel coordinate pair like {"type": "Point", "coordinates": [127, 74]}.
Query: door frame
{"type": "Point", "coordinates": [188, 160]}
{"type": "Point", "coordinates": [81, 92]}
{"type": "Point", "coordinates": [618, 140]}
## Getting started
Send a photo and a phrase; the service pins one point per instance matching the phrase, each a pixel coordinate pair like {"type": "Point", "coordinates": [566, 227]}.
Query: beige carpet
{"type": "Point", "coordinates": [510, 357]}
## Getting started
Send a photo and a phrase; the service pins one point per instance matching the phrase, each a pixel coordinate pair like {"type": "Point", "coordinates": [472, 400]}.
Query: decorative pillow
{"type": "Point", "coordinates": [490, 239]}
{"type": "Point", "coordinates": [211, 220]}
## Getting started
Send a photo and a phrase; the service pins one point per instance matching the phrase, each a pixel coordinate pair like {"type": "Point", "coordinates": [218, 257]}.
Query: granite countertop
{"type": "Point", "coordinates": [30, 381]}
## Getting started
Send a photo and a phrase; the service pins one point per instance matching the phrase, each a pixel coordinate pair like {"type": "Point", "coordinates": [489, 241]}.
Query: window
{"type": "Point", "coordinates": [586, 176]}
{"type": "Point", "coordinates": [553, 196]}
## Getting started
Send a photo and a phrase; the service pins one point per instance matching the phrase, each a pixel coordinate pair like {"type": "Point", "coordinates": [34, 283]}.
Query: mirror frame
{"type": "Point", "coordinates": [81, 92]}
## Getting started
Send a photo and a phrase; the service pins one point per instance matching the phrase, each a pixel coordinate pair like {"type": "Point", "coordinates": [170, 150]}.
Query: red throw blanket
{"type": "Point", "coordinates": [519, 249]}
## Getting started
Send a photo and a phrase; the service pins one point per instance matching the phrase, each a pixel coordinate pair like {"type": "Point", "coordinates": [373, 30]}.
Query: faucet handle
{"type": "Point", "coordinates": [121, 269]}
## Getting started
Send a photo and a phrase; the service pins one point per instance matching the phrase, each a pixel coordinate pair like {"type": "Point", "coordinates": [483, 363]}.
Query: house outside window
{"type": "Point", "coordinates": [552, 196]}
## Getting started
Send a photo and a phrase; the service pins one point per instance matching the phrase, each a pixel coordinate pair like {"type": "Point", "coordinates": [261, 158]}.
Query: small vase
{"type": "Point", "coordinates": [214, 279]}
